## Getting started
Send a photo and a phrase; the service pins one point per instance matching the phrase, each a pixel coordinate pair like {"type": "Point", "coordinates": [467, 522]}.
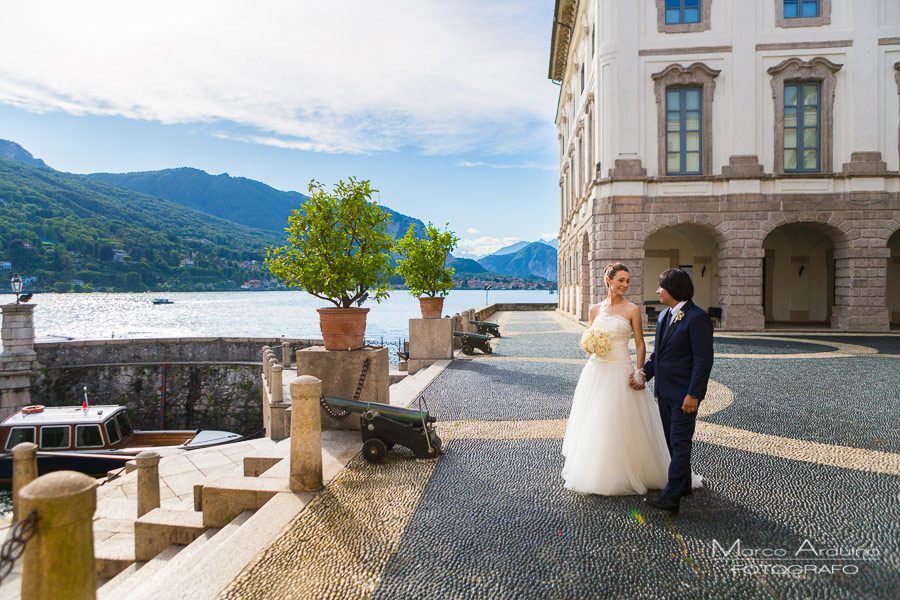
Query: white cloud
{"type": "Point", "coordinates": [349, 76]}
{"type": "Point", "coordinates": [548, 236]}
{"type": "Point", "coordinates": [478, 247]}
{"type": "Point", "coordinates": [525, 165]}
{"type": "Point", "coordinates": [471, 230]}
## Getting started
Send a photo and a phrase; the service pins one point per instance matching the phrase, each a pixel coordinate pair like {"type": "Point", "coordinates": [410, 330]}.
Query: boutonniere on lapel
{"type": "Point", "coordinates": [679, 315]}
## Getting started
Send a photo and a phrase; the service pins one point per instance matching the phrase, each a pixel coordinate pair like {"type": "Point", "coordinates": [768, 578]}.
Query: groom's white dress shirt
{"type": "Point", "coordinates": [675, 310]}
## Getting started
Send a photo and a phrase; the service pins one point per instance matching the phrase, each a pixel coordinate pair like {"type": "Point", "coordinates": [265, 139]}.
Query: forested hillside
{"type": "Point", "coordinates": [59, 228]}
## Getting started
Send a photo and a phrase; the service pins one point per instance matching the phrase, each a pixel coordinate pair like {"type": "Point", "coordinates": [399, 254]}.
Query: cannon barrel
{"type": "Point", "coordinates": [485, 323]}
{"type": "Point", "coordinates": [476, 336]}
{"type": "Point", "coordinates": [410, 416]}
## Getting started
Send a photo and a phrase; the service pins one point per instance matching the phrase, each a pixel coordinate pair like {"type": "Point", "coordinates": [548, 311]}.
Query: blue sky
{"type": "Point", "coordinates": [444, 105]}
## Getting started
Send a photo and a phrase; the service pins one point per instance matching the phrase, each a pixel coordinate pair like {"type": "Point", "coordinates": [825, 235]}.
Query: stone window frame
{"type": "Point", "coordinates": [824, 17]}
{"type": "Point", "coordinates": [663, 27]}
{"type": "Point", "coordinates": [817, 69]}
{"type": "Point", "coordinates": [696, 75]}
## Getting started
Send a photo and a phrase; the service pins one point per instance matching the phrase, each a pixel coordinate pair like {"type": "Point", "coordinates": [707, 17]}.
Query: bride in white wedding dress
{"type": "Point", "coordinates": [614, 443]}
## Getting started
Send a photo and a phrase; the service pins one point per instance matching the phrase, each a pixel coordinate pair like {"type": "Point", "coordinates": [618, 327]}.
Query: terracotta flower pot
{"type": "Point", "coordinates": [431, 307]}
{"type": "Point", "coordinates": [343, 328]}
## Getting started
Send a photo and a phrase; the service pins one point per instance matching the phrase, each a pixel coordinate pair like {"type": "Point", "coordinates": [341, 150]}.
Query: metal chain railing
{"type": "Point", "coordinates": [14, 545]}
{"type": "Point", "coordinates": [359, 388]}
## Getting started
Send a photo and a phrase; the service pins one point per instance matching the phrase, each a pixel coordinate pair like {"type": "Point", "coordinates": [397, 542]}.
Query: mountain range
{"type": "Point", "coordinates": [185, 196]}
{"type": "Point", "coordinates": [535, 259]}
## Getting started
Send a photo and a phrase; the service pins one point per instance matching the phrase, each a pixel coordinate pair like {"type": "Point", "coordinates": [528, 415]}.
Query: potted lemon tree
{"type": "Point", "coordinates": [421, 264]}
{"type": "Point", "coordinates": [338, 250]}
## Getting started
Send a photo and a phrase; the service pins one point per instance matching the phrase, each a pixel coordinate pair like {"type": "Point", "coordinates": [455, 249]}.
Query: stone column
{"type": "Point", "coordinates": [741, 287]}
{"type": "Point", "coordinates": [147, 482]}
{"type": "Point", "coordinates": [25, 471]}
{"type": "Point", "coordinates": [59, 560]}
{"type": "Point", "coordinates": [306, 434]}
{"type": "Point", "coordinates": [860, 299]}
{"type": "Point", "coordinates": [18, 358]}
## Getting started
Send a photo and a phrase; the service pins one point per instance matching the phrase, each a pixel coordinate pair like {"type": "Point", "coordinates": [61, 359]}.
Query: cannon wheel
{"type": "Point", "coordinates": [374, 450]}
{"type": "Point", "coordinates": [468, 350]}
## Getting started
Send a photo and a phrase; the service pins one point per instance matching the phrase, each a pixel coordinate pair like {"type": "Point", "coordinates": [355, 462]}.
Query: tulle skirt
{"type": "Point", "coordinates": [614, 443]}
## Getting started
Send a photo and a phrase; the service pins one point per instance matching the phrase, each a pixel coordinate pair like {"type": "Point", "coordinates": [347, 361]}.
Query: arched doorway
{"type": "Point", "coordinates": [689, 247]}
{"type": "Point", "coordinates": [893, 279]}
{"type": "Point", "coordinates": [585, 278]}
{"type": "Point", "coordinates": [799, 274]}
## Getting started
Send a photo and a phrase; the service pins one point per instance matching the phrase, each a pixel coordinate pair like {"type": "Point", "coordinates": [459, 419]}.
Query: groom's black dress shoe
{"type": "Point", "coordinates": [664, 505]}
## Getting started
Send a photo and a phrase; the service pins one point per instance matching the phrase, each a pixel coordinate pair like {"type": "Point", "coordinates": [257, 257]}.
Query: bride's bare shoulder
{"type": "Point", "coordinates": [633, 309]}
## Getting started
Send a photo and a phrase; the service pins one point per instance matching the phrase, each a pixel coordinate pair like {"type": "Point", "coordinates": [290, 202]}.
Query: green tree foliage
{"type": "Point", "coordinates": [338, 246]}
{"type": "Point", "coordinates": [421, 261]}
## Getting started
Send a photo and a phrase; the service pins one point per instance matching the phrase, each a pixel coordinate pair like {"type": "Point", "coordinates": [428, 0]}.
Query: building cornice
{"type": "Point", "coordinates": [563, 23]}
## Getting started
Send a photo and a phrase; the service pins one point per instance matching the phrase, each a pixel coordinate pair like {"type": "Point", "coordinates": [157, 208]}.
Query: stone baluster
{"type": "Point", "coordinates": [286, 355]}
{"type": "Point", "coordinates": [147, 482]}
{"type": "Point", "coordinates": [265, 361]}
{"type": "Point", "coordinates": [306, 434]}
{"type": "Point", "coordinates": [457, 326]}
{"type": "Point", "coordinates": [25, 471]}
{"type": "Point", "coordinates": [273, 362]}
{"type": "Point", "coordinates": [276, 393]}
{"type": "Point", "coordinates": [59, 560]}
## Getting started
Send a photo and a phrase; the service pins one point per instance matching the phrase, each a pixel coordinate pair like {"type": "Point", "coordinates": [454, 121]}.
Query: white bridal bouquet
{"type": "Point", "coordinates": [595, 341]}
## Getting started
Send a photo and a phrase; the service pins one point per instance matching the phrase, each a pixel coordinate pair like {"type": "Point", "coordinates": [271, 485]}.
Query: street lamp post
{"type": "Point", "coordinates": [16, 283]}
{"type": "Point", "coordinates": [486, 288]}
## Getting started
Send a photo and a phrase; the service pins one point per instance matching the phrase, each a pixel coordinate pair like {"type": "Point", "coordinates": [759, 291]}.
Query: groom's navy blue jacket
{"type": "Point", "coordinates": [682, 355]}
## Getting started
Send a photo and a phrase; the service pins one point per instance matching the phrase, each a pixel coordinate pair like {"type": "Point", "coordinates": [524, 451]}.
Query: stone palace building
{"type": "Point", "coordinates": [755, 143]}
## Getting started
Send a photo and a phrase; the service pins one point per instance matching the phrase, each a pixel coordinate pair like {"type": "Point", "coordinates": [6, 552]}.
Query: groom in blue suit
{"type": "Point", "coordinates": [681, 362]}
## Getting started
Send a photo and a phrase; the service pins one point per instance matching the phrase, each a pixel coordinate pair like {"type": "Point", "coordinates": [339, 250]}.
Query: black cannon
{"type": "Point", "coordinates": [383, 426]}
{"type": "Point", "coordinates": [470, 341]}
{"type": "Point", "coordinates": [485, 328]}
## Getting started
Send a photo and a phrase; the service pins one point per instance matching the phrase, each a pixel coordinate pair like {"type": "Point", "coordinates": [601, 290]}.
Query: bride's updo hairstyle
{"type": "Point", "coordinates": [610, 271]}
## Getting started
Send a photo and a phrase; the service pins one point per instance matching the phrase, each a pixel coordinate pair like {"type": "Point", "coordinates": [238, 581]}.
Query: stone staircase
{"type": "Point", "coordinates": [184, 553]}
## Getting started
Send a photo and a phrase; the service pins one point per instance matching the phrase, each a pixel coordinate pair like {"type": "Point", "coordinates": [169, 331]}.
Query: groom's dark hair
{"type": "Point", "coordinates": [678, 283]}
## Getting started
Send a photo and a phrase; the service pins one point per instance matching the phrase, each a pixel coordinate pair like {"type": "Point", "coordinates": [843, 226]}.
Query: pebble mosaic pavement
{"type": "Point", "coordinates": [799, 453]}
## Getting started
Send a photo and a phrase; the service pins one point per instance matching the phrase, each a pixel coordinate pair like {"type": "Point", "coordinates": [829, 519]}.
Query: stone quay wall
{"type": "Point", "coordinates": [484, 313]}
{"type": "Point", "coordinates": [177, 383]}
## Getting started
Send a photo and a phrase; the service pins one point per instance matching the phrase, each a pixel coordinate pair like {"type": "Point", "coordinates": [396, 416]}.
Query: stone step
{"type": "Point", "coordinates": [113, 554]}
{"type": "Point", "coordinates": [221, 562]}
{"type": "Point", "coordinates": [137, 574]}
{"type": "Point", "coordinates": [169, 562]}
{"type": "Point", "coordinates": [226, 497]}
{"type": "Point", "coordinates": [162, 527]}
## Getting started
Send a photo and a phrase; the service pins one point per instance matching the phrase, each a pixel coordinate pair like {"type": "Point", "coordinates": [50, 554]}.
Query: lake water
{"type": "Point", "coordinates": [234, 314]}
{"type": "Point", "coordinates": [231, 314]}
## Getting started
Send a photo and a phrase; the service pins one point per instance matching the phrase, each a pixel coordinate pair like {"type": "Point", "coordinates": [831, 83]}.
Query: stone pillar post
{"type": "Point", "coordinates": [464, 322]}
{"type": "Point", "coordinates": [306, 434]}
{"type": "Point", "coordinates": [25, 471]}
{"type": "Point", "coordinates": [18, 358]}
{"type": "Point", "coordinates": [147, 482]}
{"type": "Point", "coordinates": [276, 391]}
{"type": "Point", "coordinates": [286, 355]}
{"type": "Point", "coordinates": [59, 560]}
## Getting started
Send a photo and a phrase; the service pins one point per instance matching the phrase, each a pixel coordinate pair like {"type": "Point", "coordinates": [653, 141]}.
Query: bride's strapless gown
{"type": "Point", "coordinates": [614, 443]}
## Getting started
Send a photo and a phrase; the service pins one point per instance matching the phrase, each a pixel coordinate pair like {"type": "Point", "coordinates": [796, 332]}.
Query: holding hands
{"type": "Point", "coordinates": [636, 380]}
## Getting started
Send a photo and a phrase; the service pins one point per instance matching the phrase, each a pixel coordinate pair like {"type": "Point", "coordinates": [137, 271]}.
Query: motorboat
{"type": "Point", "coordinates": [161, 301]}
{"type": "Point", "coordinates": [93, 440]}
